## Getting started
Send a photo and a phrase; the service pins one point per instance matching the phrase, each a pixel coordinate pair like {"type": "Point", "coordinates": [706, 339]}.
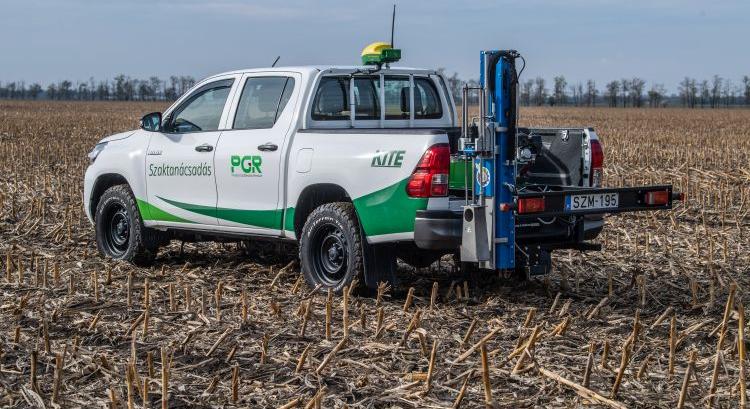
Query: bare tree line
{"type": "Point", "coordinates": [626, 92]}
{"type": "Point", "coordinates": [633, 92]}
{"type": "Point", "coordinates": [121, 88]}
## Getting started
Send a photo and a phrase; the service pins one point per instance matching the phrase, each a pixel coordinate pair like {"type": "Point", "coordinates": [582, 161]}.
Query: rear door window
{"type": "Point", "coordinates": [262, 101]}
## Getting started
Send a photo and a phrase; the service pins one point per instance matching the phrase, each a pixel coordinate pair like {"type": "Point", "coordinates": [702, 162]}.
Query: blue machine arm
{"type": "Point", "coordinates": [500, 81]}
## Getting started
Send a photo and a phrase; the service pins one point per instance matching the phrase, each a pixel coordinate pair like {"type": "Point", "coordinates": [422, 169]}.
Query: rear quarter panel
{"type": "Point", "coordinates": [371, 165]}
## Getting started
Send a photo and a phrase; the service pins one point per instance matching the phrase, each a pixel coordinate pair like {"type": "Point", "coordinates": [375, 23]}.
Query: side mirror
{"type": "Point", "coordinates": [151, 122]}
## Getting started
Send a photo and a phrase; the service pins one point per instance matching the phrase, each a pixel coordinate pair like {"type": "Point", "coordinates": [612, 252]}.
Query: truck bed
{"type": "Point", "coordinates": [560, 162]}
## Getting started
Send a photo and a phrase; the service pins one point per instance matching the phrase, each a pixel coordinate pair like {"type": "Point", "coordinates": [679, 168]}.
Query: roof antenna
{"type": "Point", "coordinates": [393, 23]}
{"type": "Point", "coordinates": [275, 61]}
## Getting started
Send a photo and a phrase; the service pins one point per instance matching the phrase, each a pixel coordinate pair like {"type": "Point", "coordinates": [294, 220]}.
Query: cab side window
{"type": "Point", "coordinates": [262, 101]}
{"type": "Point", "coordinates": [331, 101]}
{"type": "Point", "coordinates": [202, 110]}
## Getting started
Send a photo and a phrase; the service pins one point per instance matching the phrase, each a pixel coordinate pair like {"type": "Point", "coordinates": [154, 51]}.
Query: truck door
{"type": "Point", "coordinates": [180, 173]}
{"type": "Point", "coordinates": [250, 156]}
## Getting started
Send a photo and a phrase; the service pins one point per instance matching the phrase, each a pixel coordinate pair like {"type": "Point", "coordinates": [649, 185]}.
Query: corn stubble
{"type": "Point", "coordinates": [215, 324]}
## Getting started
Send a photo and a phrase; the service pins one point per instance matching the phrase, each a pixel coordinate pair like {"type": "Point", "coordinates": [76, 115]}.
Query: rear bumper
{"type": "Point", "coordinates": [441, 229]}
{"type": "Point", "coordinates": [437, 229]}
{"type": "Point", "coordinates": [631, 199]}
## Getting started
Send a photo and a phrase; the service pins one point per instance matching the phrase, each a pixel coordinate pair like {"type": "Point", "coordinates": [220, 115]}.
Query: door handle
{"type": "Point", "coordinates": [204, 148]}
{"type": "Point", "coordinates": [268, 147]}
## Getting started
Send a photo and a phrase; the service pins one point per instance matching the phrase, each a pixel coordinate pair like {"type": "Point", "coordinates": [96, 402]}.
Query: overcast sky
{"type": "Point", "coordinates": [659, 40]}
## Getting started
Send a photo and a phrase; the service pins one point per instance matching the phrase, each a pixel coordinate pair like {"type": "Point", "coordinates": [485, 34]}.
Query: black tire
{"type": "Point", "coordinates": [330, 248]}
{"type": "Point", "coordinates": [120, 233]}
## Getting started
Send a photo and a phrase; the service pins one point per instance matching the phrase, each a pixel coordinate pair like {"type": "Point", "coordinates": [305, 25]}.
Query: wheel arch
{"type": "Point", "coordinates": [379, 261]}
{"type": "Point", "coordinates": [313, 196]}
{"type": "Point", "coordinates": [101, 184]}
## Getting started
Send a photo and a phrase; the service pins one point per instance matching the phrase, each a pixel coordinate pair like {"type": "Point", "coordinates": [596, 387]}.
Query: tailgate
{"type": "Point", "coordinates": [560, 156]}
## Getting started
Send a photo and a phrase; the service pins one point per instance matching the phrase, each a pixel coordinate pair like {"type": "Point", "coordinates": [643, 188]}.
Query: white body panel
{"type": "Point", "coordinates": [345, 159]}
{"type": "Point", "coordinates": [178, 173]}
{"type": "Point", "coordinates": [310, 153]}
{"type": "Point", "coordinates": [255, 189]}
{"type": "Point", "coordinates": [124, 156]}
{"type": "Point", "coordinates": [167, 150]}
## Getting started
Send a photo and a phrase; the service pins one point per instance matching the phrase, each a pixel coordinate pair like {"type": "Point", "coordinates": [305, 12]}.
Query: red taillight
{"type": "Point", "coordinates": [430, 177]}
{"type": "Point", "coordinates": [597, 163]}
{"type": "Point", "coordinates": [659, 197]}
{"type": "Point", "coordinates": [531, 205]}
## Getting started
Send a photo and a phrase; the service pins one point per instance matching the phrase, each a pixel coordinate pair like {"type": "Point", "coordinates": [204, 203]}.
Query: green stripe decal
{"type": "Point", "coordinates": [289, 220]}
{"type": "Point", "coordinates": [388, 210]}
{"type": "Point", "coordinates": [209, 211]}
{"type": "Point", "coordinates": [270, 219]}
{"type": "Point", "coordinates": [151, 212]}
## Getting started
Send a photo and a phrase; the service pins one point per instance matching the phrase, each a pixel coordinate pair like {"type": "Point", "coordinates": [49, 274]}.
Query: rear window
{"type": "Point", "coordinates": [331, 102]}
{"type": "Point", "coordinates": [426, 100]}
{"type": "Point", "coordinates": [396, 97]}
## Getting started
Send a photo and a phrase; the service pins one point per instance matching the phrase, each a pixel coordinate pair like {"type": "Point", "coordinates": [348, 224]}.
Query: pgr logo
{"type": "Point", "coordinates": [388, 159]}
{"type": "Point", "coordinates": [247, 165]}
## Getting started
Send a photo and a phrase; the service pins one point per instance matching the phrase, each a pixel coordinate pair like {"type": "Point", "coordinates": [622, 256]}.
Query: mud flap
{"type": "Point", "coordinates": [379, 263]}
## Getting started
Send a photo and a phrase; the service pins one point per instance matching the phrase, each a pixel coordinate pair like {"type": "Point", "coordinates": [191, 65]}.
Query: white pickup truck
{"type": "Point", "coordinates": [357, 164]}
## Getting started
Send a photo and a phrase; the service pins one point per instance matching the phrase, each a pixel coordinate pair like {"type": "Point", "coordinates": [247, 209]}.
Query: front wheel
{"type": "Point", "coordinates": [331, 247]}
{"type": "Point", "coordinates": [120, 233]}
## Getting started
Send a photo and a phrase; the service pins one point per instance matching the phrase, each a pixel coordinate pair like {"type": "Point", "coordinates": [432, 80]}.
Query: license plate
{"type": "Point", "coordinates": [592, 201]}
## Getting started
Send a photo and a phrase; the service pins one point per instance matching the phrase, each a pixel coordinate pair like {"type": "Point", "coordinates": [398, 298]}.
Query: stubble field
{"type": "Point", "coordinates": [654, 320]}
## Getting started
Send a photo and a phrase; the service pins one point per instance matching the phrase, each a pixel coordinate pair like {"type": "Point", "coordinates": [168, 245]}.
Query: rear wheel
{"type": "Point", "coordinates": [331, 247]}
{"type": "Point", "coordinates": [120, 233]}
